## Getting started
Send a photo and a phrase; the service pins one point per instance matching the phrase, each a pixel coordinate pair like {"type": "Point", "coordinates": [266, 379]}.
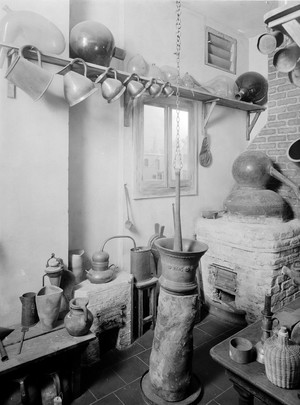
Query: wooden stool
{"type": "Point", "coordinates": [150, 287]}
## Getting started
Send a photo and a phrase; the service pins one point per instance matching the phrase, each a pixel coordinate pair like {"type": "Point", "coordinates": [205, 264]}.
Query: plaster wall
{"type": "Point", "coordinates": [33, 178]}
{"type": "Point", "coordinates": [101, 148]}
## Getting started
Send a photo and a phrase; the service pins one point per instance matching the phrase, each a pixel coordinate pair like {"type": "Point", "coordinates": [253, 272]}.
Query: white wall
{"type": "Point", "coordinates": [259, 63]}
{"type": "Point", "coordinates": [102, 157]}
{"type": "Point", "coordinates": [96, 189]}
{"type": "Point", "coordinates": [33, 179]}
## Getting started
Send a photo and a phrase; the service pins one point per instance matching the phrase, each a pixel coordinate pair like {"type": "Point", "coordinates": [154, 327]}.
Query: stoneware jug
{"type": "Point", "coordinates": [48, 302]}
{"type": "Point", "coordinates": [79, 320]}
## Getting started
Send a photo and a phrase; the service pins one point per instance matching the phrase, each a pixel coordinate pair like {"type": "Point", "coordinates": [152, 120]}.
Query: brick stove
{"type": "Point", "coordinates": [245, 260]}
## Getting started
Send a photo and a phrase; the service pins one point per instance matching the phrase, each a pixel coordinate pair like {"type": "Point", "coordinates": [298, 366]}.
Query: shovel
{"type": "Point", "coordinates": [3, 333]}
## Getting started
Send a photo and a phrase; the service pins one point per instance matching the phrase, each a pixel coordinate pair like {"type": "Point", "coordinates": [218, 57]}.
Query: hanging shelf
{"type": "Point", "coordinates": [94, 71]}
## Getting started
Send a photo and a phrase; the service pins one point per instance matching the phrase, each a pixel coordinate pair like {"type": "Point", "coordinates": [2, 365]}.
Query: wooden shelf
{"type": "Point", "coordinates": [192, 94]}
{"type": "Point", "coordinates": [94, 71]}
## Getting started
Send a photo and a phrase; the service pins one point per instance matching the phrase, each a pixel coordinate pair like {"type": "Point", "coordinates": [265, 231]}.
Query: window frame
{"type": "Point", "coordinates": [165, 187]}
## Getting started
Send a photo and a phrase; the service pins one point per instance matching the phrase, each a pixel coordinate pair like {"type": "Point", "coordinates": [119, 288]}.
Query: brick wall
{"type": "Point", "coordinates": [282, 128]}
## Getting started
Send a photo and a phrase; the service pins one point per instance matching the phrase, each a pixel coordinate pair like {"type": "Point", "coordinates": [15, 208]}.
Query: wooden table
{"type": "Point", "coordinates": [250, 379]}
{"type": "Point", "coordinates": [44, 351]}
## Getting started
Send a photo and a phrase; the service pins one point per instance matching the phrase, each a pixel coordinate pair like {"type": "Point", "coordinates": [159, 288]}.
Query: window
{"type": "Point", "coordinates": [155, 141]}
{"type": "Point", "coordinates": [220, 50]}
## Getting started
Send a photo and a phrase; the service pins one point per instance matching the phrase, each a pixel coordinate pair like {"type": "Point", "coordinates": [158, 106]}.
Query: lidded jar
{"type": "Point", "coordinates": [282, 360]}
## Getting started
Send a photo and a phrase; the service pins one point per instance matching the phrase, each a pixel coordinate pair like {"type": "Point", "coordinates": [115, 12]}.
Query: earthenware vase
{"type": "Point", "coordinates": [48, 301]}
{"type": "Point", "coordinates": [79, 320]}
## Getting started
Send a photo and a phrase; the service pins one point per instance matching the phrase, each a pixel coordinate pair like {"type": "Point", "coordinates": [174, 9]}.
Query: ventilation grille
{"type": "Point", "coordinates": [220, 51]}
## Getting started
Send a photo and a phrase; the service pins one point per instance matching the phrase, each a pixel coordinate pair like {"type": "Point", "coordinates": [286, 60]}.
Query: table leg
{"type": "Point", "coordinates": [245, 397]}
{"type": "Point", "coordinates": [141, 312]}
{"type": "Point", "coordinates": [76, 374]}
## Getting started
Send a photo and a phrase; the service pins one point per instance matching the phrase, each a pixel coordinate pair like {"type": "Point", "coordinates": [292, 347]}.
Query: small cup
{"type": "Point", "coordinates": [134, 86]}
{"type": "Point", "coordinates": [111, 88]}
{"type": "Point", "coordinates": [167, 89]}
{"type": "Point", "coordinates": [240, 350]}
{"type": "Point", "coordinates": [153, 88]}
{"type": "Point", "coordinates": [77, 87]}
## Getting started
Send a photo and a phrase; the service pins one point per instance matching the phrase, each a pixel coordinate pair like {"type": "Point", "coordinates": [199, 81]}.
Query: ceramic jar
{"type": "Point", "coordinates": [76, 264]}
{"type": "Point", "coordinates": [282, 360]}
{"type": "Point", "coordinates": [79, 319]}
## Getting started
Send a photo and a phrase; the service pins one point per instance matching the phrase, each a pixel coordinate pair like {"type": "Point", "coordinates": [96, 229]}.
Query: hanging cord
{"type": "Point", "coordinates": [177, 164]}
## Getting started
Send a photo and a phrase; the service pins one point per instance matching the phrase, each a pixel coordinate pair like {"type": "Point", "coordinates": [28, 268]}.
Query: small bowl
{"type": "Point", "coordinates": [240, 350]}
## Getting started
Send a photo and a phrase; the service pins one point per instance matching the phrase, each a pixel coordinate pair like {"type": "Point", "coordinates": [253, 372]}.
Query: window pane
{"type": "Point", "coordinates": [184, 142]}
{"type": "Point", "coordinates": [154, 144]}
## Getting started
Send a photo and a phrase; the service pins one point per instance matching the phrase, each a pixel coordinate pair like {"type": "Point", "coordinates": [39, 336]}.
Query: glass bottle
{"type": "Point", "coordinates": [252, 87]}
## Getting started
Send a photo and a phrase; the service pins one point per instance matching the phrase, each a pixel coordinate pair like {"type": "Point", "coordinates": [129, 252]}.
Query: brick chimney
{"type": "Point", "coordinates": [282, 128]}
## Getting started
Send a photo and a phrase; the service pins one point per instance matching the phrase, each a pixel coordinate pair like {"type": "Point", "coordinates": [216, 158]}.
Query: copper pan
{"type": "Point", "coordinates": [285, 59]}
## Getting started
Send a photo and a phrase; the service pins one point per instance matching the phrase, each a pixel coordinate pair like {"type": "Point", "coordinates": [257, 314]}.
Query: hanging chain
{"type": "Point", "coordinates": [177, 164]}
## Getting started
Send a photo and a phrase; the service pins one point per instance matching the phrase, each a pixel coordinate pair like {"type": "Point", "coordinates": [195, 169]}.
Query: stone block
{"type": "Point", "coordinates": [111, 306]}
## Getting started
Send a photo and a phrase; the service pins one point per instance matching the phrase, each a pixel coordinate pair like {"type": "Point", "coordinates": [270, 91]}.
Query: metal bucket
{"type": "Point", "coordinates": [140, 263]}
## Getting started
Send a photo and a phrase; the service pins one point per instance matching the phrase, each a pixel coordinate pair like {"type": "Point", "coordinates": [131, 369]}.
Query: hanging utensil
{"type": "Point", "coordinates": [205, 156]}
{"type": "Point", "coordinates": [128, 224]}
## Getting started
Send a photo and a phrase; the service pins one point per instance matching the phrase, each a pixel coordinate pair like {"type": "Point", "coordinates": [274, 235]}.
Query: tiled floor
{"type": "Point", "coordinates": [116, 380]}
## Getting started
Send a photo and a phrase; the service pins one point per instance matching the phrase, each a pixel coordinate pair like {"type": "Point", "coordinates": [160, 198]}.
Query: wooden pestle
{"type": "Point", "coordinates": [177, 237]}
